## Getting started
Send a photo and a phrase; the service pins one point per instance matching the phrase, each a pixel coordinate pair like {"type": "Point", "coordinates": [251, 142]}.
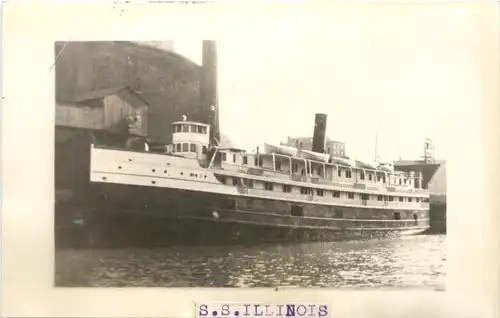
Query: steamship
{"type": "Point", "coordinates": [196, 191]}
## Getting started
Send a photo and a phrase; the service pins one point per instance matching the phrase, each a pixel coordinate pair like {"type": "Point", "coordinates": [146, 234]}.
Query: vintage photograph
{"type": "Point", "coordinates": [215, 164]}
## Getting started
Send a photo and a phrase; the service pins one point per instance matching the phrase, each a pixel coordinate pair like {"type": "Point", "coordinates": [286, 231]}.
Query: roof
{"type": "Point", "coordinates": [190, 122]}
{"type": "Point", "coordinates": [232, 149]}
{"type": "Point", "coordinates": [95, 97]}
{"type": "Point", "coordinates": [402, 163]}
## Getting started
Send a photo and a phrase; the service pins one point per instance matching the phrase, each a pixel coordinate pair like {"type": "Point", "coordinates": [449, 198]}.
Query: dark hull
{"type": "Point", "coordinates": [125, 216]}
{"type": "Point", "coordinates": [437, 216]}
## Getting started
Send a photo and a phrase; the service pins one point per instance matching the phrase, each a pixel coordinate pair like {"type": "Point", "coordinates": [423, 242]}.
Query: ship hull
{"type": "Point", "coordinates": [124, 215]}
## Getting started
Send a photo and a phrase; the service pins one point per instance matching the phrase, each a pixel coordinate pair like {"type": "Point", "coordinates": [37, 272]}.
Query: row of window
{"type": "Point", "coordinates": [295, 168]}
{"type": "Point", "coordinates": [190, 128]}
{"type": "Point", "coordinates": [257, 161]}
{"type": "Point", "coordinates": [269, 186]}
{"type": "Point", "coordinates": [298, 210]}
{"type": "Point", "coordinates": [188, 147]}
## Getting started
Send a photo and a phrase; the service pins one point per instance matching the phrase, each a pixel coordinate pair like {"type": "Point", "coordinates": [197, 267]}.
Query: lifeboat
{"type": "Point", "coordinates": [341, 161]}
{"type": "Point", "coordinates": [311, 155]}
{"type": "Point", "coordinates": [385, 167]}
{"type": "Point", "coordinates": [282, 150]}
{"type": "Point", "coordinates": [365, 165]}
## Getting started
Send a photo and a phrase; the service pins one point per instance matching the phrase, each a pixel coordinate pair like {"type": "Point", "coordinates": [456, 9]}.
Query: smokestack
{"type": "Point", "coordinates": [319, 136]}
{"type": "Point", "coordinates": [208, 89]}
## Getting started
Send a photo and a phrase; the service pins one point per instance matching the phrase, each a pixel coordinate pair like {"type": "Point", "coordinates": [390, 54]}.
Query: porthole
{"type": "Point", "coordinates": [153, 170]}
{"type": "Point", "coordinates": [130, 160]}
{"type": "Point", "coordinates": [164, 171]}
{"type": "Point", "coordinates": [119, 167]}
{"type": "Point", "coordinates": [104, 178]}
{"type": "Point", "coordinates": [182, 173]}
{"type": "Point", "coordinates": [153, 182]}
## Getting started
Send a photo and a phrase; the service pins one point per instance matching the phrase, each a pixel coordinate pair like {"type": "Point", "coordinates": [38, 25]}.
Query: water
{"type": "Point", "coordinates": [408, 262]}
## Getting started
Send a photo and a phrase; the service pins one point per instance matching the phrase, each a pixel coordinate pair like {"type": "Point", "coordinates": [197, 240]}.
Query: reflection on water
{"type": "Point", "coordinates": [415, 262]}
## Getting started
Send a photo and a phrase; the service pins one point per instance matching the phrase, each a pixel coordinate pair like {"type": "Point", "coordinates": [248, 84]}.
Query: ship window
{"type": "Point", "coordinates": [397, 216]}
{"type": "Point", "coordinates": [278, 165]}
{"type": "Point", "coordinates": [245, 160]}
{"type": "Point", "coordinates": [379, 178]}
{"type": "Point", "coordinates": [193, 147]}
{"type": "Point", "coordinates": [319, 192]}
{"type": "Point", "coordinates": [178, 147]}
{"type": "Point", "coordinates": [268, 186]}
{"type": "Point", "coordinates": [400, 181]}
{"type": "Point", "coordinates": [383, 179]}
{"type": "Point", "coordinates": [249, 183]}
{"type": "Point", "coordinates": [204, 149]}
{"type": "Point", "coordinates": [200, 129]}
{"type": "Point", "coordinates": [417, 200]}
{"type": "Point", "coordinates": [223, 156]}
{"type": "Point", "coordinates": [185, 128]}
{"type": "Point", "coordinates": [362, 176]}
{"type": "Point", "coordinates": [379, 198]}
{"type": "Point", "coordinates": [350, 195]}
{"type": "Point", "coordinates": [409, 199]}
{"type": "Point", "coordinates": [204, 130]}
{"type": "Point", "coordinates": [297, 210]}
{"type": "Point", "coordinates": [365, 196]}
{"type": "Point", "coordinates": [391, 198]}
{"type": "Point", "coordinates": [370, 177]}
{"type": "Point", "coordinates": [339, 214]}
{"type": "Point", "coordinates": [235, 181]}
{"type": "Point", "coordinates": [193, 128]}
{"type": "Point", "coordinates": [185, 147]}
{"type": "Point", "coordinates": [336, 194]}
{"type": "Point", "coordinates": [234, 158]}
{"type": "Point", "coordinates": [255, 161]}
{"type": "Point", "coordinates": [340, 173]}
{"type": "Point", "coordinates": [400, 199]}
{"type": "Point", "coordinates": [305, 190]}
{"type": "Point", "coordinates": [287, 188]}
{"type": "Point", "coordinates": [348, 173]}
{"type": "Point", "coordinates": [294, 167]}
{"type": "Point", "coordinates": [261, 162]}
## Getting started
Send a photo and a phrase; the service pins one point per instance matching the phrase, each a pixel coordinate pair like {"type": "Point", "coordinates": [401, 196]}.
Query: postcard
{"type": "Point", "coordinates": [250, 160]}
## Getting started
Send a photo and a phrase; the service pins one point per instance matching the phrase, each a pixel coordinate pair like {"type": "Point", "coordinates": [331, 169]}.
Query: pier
{"type": "Point", "coordinates": [434, 179]}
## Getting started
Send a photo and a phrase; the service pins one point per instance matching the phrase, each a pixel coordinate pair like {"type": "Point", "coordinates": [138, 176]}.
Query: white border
{"type": "Point", "coordinates": [30, 29]}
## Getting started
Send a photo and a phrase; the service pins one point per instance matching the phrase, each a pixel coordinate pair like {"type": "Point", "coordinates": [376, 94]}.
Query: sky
{"type": "Point", "coordinates": [401, 73]}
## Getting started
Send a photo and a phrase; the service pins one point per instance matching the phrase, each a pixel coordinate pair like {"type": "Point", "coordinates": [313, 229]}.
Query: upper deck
{"type": "Point", "coordinates": [273, 167]}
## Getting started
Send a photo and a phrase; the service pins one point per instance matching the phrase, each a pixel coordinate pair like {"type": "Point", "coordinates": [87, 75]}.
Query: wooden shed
{"type": "Point", "coordinates": [118, 110]}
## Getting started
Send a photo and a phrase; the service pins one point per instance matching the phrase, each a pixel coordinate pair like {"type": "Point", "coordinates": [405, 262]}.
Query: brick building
{"type": "Point", "coordinates": [334, 147]}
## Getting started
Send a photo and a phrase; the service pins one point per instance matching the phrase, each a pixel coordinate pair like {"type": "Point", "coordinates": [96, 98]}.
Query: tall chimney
{"type": "Point", "coordinates": [208, 89]}
{"type": "Point", "coordinates": [319, 136]}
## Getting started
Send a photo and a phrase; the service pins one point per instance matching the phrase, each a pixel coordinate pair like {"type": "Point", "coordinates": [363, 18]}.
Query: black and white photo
{"type": "Point", "coordinates": [186, 167]}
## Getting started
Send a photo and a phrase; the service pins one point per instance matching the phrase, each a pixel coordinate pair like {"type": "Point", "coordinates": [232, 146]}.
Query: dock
{"type": "Point", "coordinates": [434, 179]}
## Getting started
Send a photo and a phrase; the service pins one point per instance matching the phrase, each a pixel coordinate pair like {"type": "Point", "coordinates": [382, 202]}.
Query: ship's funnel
{"type": "Point", "coordinates": [319, 136]}
{"type": "Point", "coordinates": [208, 88]}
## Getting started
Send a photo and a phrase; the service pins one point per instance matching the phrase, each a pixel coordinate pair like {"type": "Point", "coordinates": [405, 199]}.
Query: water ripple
{"type": "Point", "coordinates": [412, 262]}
